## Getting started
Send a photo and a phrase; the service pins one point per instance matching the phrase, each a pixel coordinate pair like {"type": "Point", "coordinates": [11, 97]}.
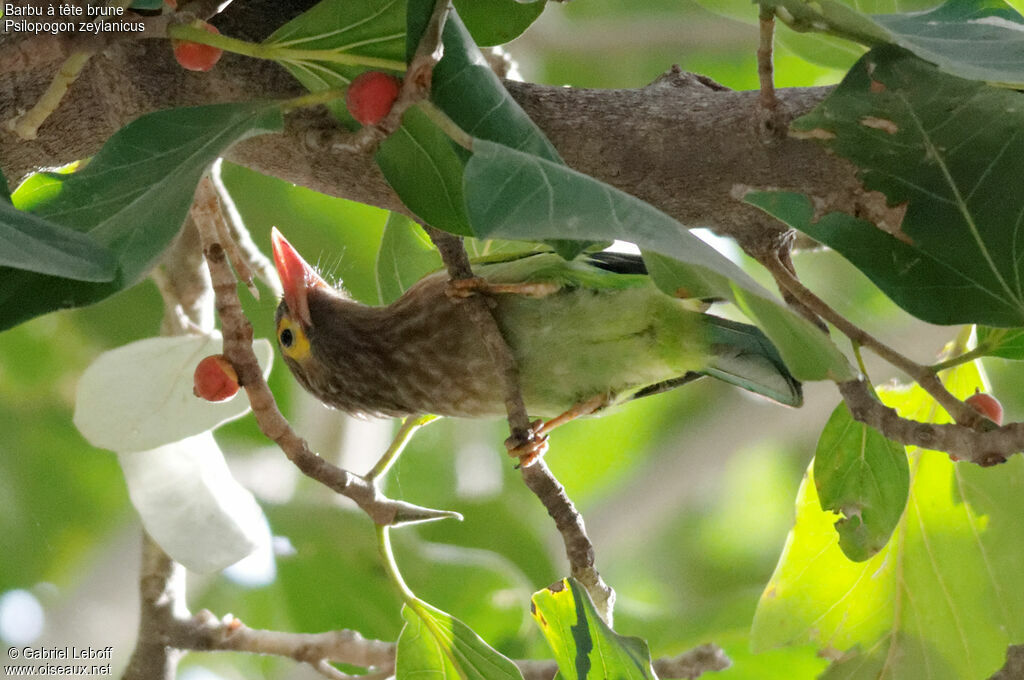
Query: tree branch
{"type": "Point", "coordinates": [538, 477]}
{"type": "Point", "coordinates": [682, 144]}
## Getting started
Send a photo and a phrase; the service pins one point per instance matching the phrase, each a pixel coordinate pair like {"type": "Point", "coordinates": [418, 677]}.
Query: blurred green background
{"type": "Point", "coordinates": [688, 496]}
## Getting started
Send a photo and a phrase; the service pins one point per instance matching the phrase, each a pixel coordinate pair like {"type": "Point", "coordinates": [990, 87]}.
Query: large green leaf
{"type": "Point", "coordinates": [864, 477]}
{"type": "Point", "coordinates": [131, 199]}
{"type": "Point", "coordinates": [516, 195]}
{"type": "Point", "coordinates": [38, 245]}
{"type": "Point", "coordinates": [495, 22]}
{"type": "Point", "coordinates": [942, 600]}
{"type": "Point", "coordinates": [976, 39]}
{"type": "Point", "coordinates": [425, 170]}
{"type": "Point", "coordinates": [584, 645]}
{"type": "Point", "coordinates": [942, 147]}
{"type": "Point", "coordinates": [436, 643]}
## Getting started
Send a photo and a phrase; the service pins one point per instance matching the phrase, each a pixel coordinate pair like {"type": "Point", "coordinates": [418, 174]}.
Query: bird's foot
{"type": "Point", "coordinates": [536, 441]}
{"type": "Point", "coordinates": [464, 288]}
{"type": "Point", "coordinates": [531, 447]}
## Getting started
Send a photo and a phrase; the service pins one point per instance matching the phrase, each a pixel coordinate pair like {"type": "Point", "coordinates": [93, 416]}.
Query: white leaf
{"type": "Point", "coordinates": [192, 506]}
{"type": "Point", "coordinates": [139, 396]}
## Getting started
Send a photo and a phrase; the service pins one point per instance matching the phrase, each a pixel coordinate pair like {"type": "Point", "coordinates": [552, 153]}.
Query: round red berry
{"type": "Point", "coordinates": [215, 379]}
{"type": "Point", "coordinates": [986, 405]}
{"type": "Point", "coordinates": [197, 57]}
{"type": "Point", "coordinates": [371, 95]}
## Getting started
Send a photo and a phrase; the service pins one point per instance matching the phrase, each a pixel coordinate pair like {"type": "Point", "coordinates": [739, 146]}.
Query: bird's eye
{"type": "Point", "coordinates": [287, 338]}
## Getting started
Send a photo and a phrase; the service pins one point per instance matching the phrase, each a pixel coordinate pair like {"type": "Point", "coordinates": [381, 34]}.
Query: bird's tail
{"type": "Point", "coordinates": [745, 357]}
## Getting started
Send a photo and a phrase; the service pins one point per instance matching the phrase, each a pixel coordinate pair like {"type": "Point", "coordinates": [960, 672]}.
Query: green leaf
{"type": "Point", "coordinates": [147, 4]}
{"type": "Point", "coordinates": [946, 592]}
{"type": "Point", "coordinates": [358, 28]}
{"type": "Point", "coordinates": [584, 645]}
{"type": "Point", "coordinates": [425, 170]}
{"type": "Point", "coordinates": [435, 642]}
{"type": "Point", "coordinates": [5, 191]}
{"type": "Point", "coordinates": [976, 39]}
{"type": "Point", "coordinates": [131, 198]}
{"type": "Point", "coordinates": [495, 22]}
{"type": "Point", "coordinates": [40, 246]}
{"type": "Point", "coordinates": [864, 477]}
{"type": "Point", "coordinates": [1006, 343]}
{"type": "Point", "coordinates": [406, 255]}
{"type": "Point", "coordinates": [954, 258]}
{"type": "Point", "coordinates": [515, 195]}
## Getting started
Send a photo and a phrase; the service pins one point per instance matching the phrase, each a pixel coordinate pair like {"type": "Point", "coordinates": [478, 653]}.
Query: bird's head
{"type": "Point", "coordinates": [294, 321]}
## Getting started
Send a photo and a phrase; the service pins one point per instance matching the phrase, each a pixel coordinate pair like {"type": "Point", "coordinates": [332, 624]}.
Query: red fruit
{"type": "Point", "coordinates": [215, 379]}
{"type": "Point", "coordinates": [371, 95]}
{"type": "Point", "coordinates": [196, 57]}
{"type": "Point", "coordinates": [986, 405]}
{"type": "Point", "coordinates": [173, 4]}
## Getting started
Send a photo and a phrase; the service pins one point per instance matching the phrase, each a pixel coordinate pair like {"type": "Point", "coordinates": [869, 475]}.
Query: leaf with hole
{"type": "Point", "coordinates": [940, 149]}
{"type": "Point", "coordinates": [946, 591]}
{"type": "Point", "coordinates": [864, 477]}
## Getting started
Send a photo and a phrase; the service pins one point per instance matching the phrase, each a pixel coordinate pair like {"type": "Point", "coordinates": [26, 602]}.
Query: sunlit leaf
{"type": "Point", "coordinates": [131, 198]}
{"type": "Point", "coordinates": [1006, 343]}
{"type": "Point", "coordinates": [139, 396]}
{"type": "Point", "coordinates": [436, 643]}
{"type": "Point", "coordinates": [583, 644]}
{"type": "Point", "coordinates": [955, 258]}
{"type": "Point", "coordinates": [192, 506]}
{"type": "Point", "coordinates": [976, 39]}
{"type": "Point", "coordinates": [864, 477]}
{"type": "Point", "coordinates": [946, 592]}
{"type": "Point", "coordinates": [510, 194]}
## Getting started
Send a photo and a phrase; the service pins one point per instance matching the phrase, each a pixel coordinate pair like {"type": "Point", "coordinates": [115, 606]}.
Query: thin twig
{"type": "Point", "coordinates": [538, 478]}
{"type": "Point", "coordinates": [765, 68]}
{"type": "Point", "coordinates": [259, 263]}
{"type": "Point", "coordinates": [238, 334]}
{"type": "Point", "coordinates": [961, 412]}
{"type": "Point", "coordinates": [204, 632]}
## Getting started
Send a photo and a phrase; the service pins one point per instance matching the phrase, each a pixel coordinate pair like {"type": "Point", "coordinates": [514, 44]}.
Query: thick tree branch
{"type": "Point", "coordinates": [680, 143]}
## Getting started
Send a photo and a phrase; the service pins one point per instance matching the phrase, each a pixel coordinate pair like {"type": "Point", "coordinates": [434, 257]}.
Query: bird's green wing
{"type": "Point", "coordinates": [745, 357]}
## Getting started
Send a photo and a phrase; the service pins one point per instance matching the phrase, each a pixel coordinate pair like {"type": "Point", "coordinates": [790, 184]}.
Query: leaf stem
{"type": "Point", "coordinates": [447, 125]}
{"type": "Point", "coordinates": [312, 99]}
{"type": "Point", "coordinates": [194, 32]}
{"type": "Point", "coordinates": [398, 444]}
{"type": "Point", "coordinates": [923, 375]}
{"type": "Point", "coordinates": [391, 567]}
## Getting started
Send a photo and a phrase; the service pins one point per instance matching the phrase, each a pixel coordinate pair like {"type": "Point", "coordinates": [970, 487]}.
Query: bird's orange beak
{"type": "Point", "coordinates": [297, 277]}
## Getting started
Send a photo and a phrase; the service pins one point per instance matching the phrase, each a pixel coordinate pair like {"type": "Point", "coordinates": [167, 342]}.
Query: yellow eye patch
{"type": "Point", "coordinates": [292, 339]}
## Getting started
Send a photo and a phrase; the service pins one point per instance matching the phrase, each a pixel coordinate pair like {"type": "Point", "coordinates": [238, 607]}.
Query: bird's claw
{"type": "Point", "coordinates": [529, 448]}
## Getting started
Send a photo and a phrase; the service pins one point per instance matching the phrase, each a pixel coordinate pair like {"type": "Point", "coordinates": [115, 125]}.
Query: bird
{"type": "Point", "coordinates": [586, 334]}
